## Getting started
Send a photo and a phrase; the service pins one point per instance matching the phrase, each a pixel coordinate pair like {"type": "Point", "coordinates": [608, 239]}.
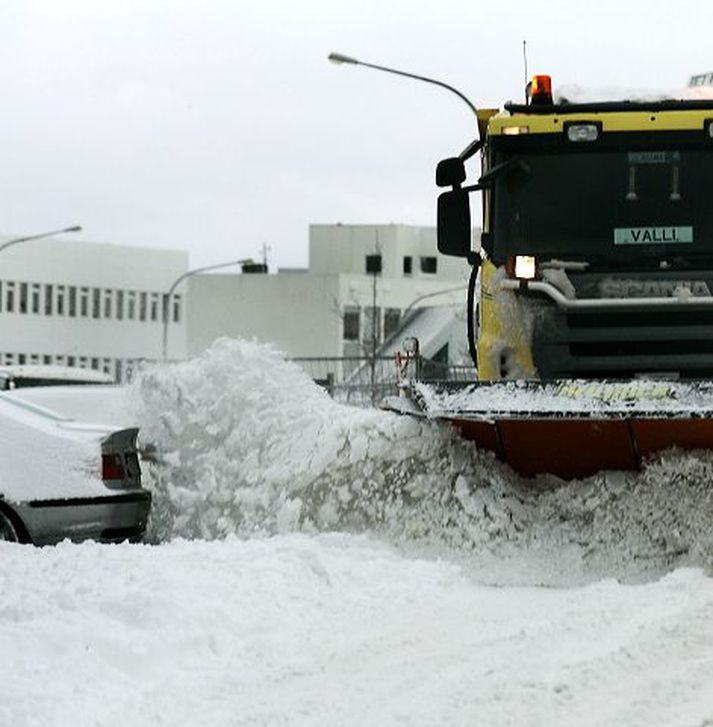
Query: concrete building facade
{"type": "Point", "coordinates": [89, 305]}
{"type": "Point", "coordinates": [100, 306]}
{"type": "Point", "coordinates": [360, 281]}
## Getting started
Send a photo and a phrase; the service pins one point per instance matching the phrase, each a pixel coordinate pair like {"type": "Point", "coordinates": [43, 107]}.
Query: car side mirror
{"type": "Point", "coordinates": [450, 172]}
{"type": "Point", "coordinates": [453, 225]}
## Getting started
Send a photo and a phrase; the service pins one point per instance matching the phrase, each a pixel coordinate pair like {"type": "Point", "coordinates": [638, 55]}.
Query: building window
{"type": "Point", "coordinates": [96, 302]}
{"type": "Point", "coordinates": [21, 359]}
{"type": "Point", "coordinates": [49, 293]}
{"type": "Point", "coordinates": [392, 318]}
{"type": "Point", "coordinates": [142, 305]}
{"type": "Point", "coordinates": [429, 265]}
{"type": "Point", "coordinates": [35, 297]}
{"type": "Point", "coordinates": [373, 264]}
{"type": "Point", "coordinates": [95, 364]}
{"type": "Point", "coordinates": [10, 297]}
{"type": "Point", "coordinates": [1, 298]}
{"type": "Point", "coordinates": [34, 359]}
{"type": "Point", "coordinates": [107, 303]}
{"type": "Point", "coordinates": [176, 308]}
{"type": "Point", "coordinates": [72, 301]}
{"type": "Point", "coordinates": [60, 300]}
{"type": "Point", "coordinates": [408, 265]}
{"type": "Point", "coordinates": [132, 306]}
{"type": "Point", "coordinates": [47, 359]}
{"type": "Point", "coordinates": [23, 298]}
{"type": "Point", "coordinates": [351, 324]}
{"type": "Point", "coordinates": [71, 361]}
{"type": "Point", "coordinates": [119, 305]}
{"type": "Point", "coordinates": [84, 302]}
{"type": "Point", "coordinates": [154, 306]}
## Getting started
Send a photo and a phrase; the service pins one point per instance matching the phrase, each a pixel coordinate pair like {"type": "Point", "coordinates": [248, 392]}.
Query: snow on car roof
{"type": "Point", "coordinates": [42, 459]}
{"type": "Point", "coordinates": [55, 373]}
{"type": "Point", "coordinates": [112, 405]}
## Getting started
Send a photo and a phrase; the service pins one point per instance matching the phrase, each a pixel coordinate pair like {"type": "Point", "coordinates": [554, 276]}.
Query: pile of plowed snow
{"type": "Point", "coordinates": [252, 446]}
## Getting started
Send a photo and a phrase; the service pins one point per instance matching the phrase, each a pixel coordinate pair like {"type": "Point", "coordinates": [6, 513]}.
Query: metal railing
{"type": "Point", "coordinates": [366, 380]}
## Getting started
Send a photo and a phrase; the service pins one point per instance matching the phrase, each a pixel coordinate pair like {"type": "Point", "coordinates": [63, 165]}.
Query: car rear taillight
{"type": "Point", "coordinates": [112, 467]}
{"type": "Point", "coordinates": [120, 462]}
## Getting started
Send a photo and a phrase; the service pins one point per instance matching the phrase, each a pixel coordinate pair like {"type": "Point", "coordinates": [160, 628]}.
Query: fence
{"type": "Point", "coordinates": [364, 381]}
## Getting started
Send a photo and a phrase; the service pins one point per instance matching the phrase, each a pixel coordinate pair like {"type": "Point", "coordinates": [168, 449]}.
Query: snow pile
{"type": "Point", "coordinates": [253, 447]}
{"type": "Point", "coordinates": [578, 94]}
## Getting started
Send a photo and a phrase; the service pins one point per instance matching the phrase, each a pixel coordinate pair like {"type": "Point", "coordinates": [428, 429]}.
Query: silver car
{"type": "Point", "coordinates": [62, 478]}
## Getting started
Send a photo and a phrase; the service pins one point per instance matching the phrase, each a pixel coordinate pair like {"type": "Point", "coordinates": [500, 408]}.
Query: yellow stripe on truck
{"type": "Point", "coordinates": [611, 121]}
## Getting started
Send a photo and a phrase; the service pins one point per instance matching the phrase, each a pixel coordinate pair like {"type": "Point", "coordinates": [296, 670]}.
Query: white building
{"type": "Point", "coordinates": [358, 275]}
{"type": "Point", "coordinates": [100, 306]}
{"type": "Point", "coordinates": [89, 305]}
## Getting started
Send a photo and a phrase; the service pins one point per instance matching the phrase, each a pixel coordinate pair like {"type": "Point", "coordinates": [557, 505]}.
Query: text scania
{"type": "Point", "coordinates": [611, 288]}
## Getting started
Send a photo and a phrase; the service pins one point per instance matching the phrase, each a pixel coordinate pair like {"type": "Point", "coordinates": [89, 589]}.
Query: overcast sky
{"type": "Point", "coordinates": [217, 126]}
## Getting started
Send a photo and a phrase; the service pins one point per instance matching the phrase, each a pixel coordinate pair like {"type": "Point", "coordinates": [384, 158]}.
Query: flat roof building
{"type": "Point", "coordinates": [90, 305]}
{"type": "Point", "coordinates": [360, 280]}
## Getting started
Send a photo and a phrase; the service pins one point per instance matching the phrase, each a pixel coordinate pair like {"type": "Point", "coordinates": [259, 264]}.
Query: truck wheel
{"type": "Point", "coordinates": [8, 532]}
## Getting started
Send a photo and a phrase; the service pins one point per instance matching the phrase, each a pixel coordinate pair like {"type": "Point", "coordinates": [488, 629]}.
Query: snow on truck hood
{"type": "Point", "coordinates": [44, 455]}
{"type": "Point", "coordinates": [577, 94]}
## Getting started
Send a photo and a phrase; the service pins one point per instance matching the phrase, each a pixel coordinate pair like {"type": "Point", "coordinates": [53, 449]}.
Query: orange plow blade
{"type": "Point", "coordinates": [573, 429]}
{"type": "Point", "coordinates": [573, 448]}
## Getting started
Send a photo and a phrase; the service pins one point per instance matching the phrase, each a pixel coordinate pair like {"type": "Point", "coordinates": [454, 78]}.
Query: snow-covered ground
{"type": "Point", "coordinates": [315, 564]}
{"type": "Point", "coordinates": [337, 630]}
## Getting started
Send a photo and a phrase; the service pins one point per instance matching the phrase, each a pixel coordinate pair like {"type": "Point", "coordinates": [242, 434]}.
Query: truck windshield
{"type": "Point", "coordinates": [603, 204]}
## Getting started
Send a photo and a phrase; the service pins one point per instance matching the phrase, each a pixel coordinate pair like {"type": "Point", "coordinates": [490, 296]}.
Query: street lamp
{"type": "Point", "coordinates": [15, 241]}
{"type": "Point", "coordinates": [340, 59]}
{"type": "Point", "coordinates": [178, 281]}
{"type": "Point", "coordinates": [467, 153]}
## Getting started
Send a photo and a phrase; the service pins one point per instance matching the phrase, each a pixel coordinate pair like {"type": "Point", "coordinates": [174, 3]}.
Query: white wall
{"type": "Point", "coordinates": [302, 312]}
{"type": "Point", "coordinates": [299, 312]}
{"type": "Point", "coordinates": [343, 249]}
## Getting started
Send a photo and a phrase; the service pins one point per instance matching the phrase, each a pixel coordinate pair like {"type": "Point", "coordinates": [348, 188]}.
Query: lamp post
{"type": "Point", "coordinates": [468, 152]}
{"type": "Point", "coordinates": [340, 59]}
{"type": "Point", "coordinates": [28, 238]}
{"type": "Point", "coordinates": [177, 282]}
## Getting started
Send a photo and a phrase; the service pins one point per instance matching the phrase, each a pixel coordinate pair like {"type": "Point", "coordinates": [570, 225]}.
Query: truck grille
{"type": "Point", "coordinates": [623, 344]}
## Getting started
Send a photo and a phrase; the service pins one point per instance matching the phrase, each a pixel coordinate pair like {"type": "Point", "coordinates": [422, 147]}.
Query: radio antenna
{"type": "Point", "coordinates": [524, 59]}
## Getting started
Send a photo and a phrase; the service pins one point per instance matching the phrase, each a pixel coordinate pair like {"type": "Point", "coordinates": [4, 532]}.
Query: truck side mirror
{"type": "Point", "coordinates": [454, 231]}
{"type": "Point", "coordinates": [450, 172]}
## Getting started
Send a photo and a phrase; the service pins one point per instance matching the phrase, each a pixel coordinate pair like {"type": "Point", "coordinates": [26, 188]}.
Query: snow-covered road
{"type": "Point", "coordinates": [337, 630]}
{"type": "Point", "coordinates": [320, 565]}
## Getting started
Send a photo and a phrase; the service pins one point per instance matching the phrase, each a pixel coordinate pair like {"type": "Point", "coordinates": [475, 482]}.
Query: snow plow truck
{"type": "Point", "coordinates": [590, 303]}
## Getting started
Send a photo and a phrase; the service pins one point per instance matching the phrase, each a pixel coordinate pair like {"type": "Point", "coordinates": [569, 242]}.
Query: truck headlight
{"type": "Point", "coordinates": [522, 267]}
{"type": "Point", "coordinates": [583, 132]}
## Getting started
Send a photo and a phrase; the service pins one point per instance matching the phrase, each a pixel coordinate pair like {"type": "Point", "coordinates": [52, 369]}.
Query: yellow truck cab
{"type": "Point", "coordinates": [596, 256]}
